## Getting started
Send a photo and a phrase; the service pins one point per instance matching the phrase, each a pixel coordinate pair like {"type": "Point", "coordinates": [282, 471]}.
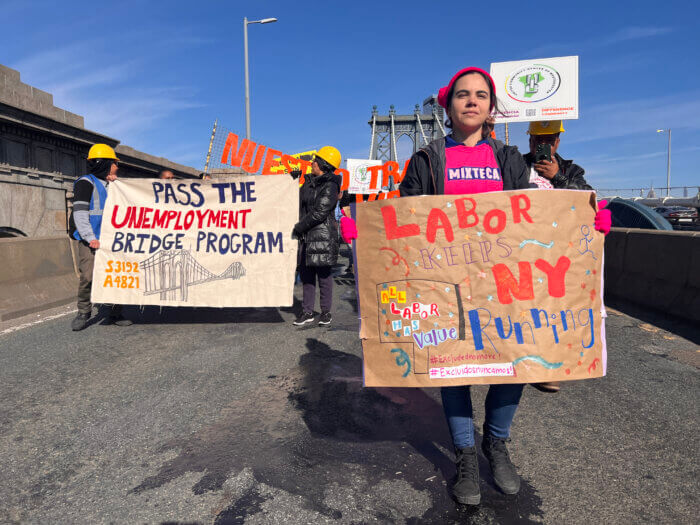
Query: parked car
{"type": "Point", "coordinates": [678, 214]}
{"type": "Point", "coordinates": [630, 214]}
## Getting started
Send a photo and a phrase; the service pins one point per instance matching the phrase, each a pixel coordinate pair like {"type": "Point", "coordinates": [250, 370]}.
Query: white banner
{"type": "Point", "coordinates": [537, 89]}
{"type": "Point", "coordinates": [222, 243]}
{"type": "Point", "coordinates": [361, 177]}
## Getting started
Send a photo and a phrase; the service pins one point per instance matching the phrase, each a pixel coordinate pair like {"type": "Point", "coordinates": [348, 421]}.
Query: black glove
{"type": "Point", "coordinates": [295, 174]}
{"type": "Point", "coordinates": [295, 232]}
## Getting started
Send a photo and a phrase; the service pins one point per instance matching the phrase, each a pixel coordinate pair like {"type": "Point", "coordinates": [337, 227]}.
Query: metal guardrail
{"type": "Point", "coordinates": [650, 192]}
{"type": "Point", "coordinates": [679, 195]}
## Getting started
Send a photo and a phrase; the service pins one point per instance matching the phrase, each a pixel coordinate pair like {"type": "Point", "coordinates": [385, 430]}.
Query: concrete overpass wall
{"type": "Point", "coordinates": [35, 274]}
{"type": "Point", "coordinates": [655, 269]}
{"type": "Point", "coordinates": [658, 270]}
{"type": "Point", "coordinates": [32, 202]}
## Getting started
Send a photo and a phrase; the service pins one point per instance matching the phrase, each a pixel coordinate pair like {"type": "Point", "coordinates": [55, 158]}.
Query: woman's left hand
{"type": "Point", "coordinates": [348, 229]}
{"type": "Point", "coordinates": [603, 218]}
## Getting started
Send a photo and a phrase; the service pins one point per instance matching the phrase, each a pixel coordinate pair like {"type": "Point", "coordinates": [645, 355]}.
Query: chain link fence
{"type": "Point", "coordinates": [214, 165]}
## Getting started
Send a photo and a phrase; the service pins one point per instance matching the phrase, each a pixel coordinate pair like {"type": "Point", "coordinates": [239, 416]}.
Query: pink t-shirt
{"type": "Point", "coordinates": [470, 169]}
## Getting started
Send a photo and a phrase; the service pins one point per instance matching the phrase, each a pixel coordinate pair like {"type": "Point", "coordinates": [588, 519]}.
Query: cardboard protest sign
{"type": "Point", "coordinates": [537, 89]}
{"type": "Point", "coordinates": [360, 176]}
{"type": "Point", "coordinates": [254, 158]}
{"type": "Point", "coordinates": [181, 243]}
{"type": "Point", "coordinates": [502, 287]}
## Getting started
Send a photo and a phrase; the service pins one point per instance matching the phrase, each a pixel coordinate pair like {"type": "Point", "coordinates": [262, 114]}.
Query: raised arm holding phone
{"type": "Point", "coordinates": [546, 164]}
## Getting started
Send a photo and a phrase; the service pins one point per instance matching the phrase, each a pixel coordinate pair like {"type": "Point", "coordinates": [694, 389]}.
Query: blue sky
{"type": "Point", "coordinates": [156, 74]}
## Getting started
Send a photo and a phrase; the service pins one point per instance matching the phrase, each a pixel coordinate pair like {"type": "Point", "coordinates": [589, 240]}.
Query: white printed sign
{"type": "Point", "coordinates": [537, 89]}
{"type": "Point", "coordinates": [495, 370]}
{"type": "Point", "coordinates": [361, 177]}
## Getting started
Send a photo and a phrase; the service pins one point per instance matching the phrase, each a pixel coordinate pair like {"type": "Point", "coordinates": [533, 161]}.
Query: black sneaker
{"type": "Point", "coordinates": [119, 320]}
{"type": "Point", "coordinates": [325, 319]}
{"type": "Point", "coordinates": [79, 322]}
{"type": "Point", "coordinates": [466, 488]}
{"type": "Point", "coordinates": [304, 318]}
{"type": "Point", "coordinates": [504, 474]}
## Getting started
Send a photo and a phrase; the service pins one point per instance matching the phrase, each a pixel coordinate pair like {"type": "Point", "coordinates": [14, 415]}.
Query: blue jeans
{"type": "Point", "coordinates": [501, 404]}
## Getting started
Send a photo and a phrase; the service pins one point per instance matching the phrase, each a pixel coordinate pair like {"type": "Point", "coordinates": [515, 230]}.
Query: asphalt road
{"type": "Point", "coordinates": [235, 416]}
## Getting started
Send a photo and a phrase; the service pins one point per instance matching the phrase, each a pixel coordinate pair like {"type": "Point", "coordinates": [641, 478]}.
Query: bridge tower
{"type": "Point", "coordinates": [423, 126]}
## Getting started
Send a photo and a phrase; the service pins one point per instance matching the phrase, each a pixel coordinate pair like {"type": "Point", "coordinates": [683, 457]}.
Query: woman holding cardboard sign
{"type": "Point", "coordinates": [468, 161]}
{"type": "Point", "coordinates": [440, 168]}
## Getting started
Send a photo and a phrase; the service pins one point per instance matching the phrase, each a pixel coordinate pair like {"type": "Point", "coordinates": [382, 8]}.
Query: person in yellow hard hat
{"type": "Point", "coordinates": [89, 199]}
{"type": "Point", "coordinates": [317, 232]}
{"type": "Point", "coordinates": [547, 168]}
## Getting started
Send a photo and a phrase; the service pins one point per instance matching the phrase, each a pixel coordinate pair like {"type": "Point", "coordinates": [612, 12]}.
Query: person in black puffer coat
{"type": "Point", "coordinates": [317, 232]}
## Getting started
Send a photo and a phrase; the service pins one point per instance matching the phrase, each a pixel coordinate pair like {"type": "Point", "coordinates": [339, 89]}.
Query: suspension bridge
{"type": "Point", "coordinates": [171, 273]}
{"type": "Point", "coordinates": [422, 127]}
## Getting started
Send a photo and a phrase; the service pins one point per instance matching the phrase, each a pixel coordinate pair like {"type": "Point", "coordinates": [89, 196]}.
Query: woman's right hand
{"type": "Point", "coordinates": [603, 218]}
{"type": "Point", "coordinates": [348, 229]}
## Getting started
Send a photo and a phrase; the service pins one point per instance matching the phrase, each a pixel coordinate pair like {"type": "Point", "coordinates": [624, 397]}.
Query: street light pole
{"type": "Point", "coordinates": [247, 77]}
{"type": "Point", "coordinates": [668, 161]}
{"type": "Point", "coordinates": [247, 80]}
{"type": "Point", "coordinates": [668, 166]}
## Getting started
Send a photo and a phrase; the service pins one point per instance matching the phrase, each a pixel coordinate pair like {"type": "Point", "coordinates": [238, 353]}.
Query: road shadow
{"type": "Point", "coordinates": [102, 313]}
{"type": "Point", "coordinates": [191, 315]}
{"type": "Point", "coordinates": [317, 428]}
{"type": "Point", "coordinates": [675, 325]}
{"type": "Point", "coordinates": [335, 406]}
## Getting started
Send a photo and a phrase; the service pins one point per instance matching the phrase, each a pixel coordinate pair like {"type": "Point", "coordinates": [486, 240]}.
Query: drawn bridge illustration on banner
{"type": "Point", "coordinates": [170, 272]}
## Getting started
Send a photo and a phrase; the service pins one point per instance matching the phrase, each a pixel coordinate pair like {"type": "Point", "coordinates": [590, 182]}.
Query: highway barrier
{"type": "Point", "coordinates": [655, 269]}
{"type": "Point", "coordinates": [37, 273]}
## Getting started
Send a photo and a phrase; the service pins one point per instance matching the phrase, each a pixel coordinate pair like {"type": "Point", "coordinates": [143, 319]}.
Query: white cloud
{"type": "Point", "coordinates": [131, 113]}
{"type": "Point", "coordinates": [624, 34]}
{"type": "Point", "coordinates": [85, 78]}
{"type": "Point", "coordinates": [624, 158]}
{"type": "Point", "coordinates": [616, 65]}
{"type": "Point", "coordinates": [51, 65]}
{"type": "Point", "coordinates": [186, 154]}
{"type": "Point", "coordinates": [630, 117]}
{"type": "Point", "coordinates": [634, 33]}
{"type": "Point", "coordinates": [632, 171]}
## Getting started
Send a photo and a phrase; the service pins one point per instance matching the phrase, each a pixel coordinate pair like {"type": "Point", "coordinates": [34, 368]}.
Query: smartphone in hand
{"type": "Point", "coordinates": [543, 152]}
